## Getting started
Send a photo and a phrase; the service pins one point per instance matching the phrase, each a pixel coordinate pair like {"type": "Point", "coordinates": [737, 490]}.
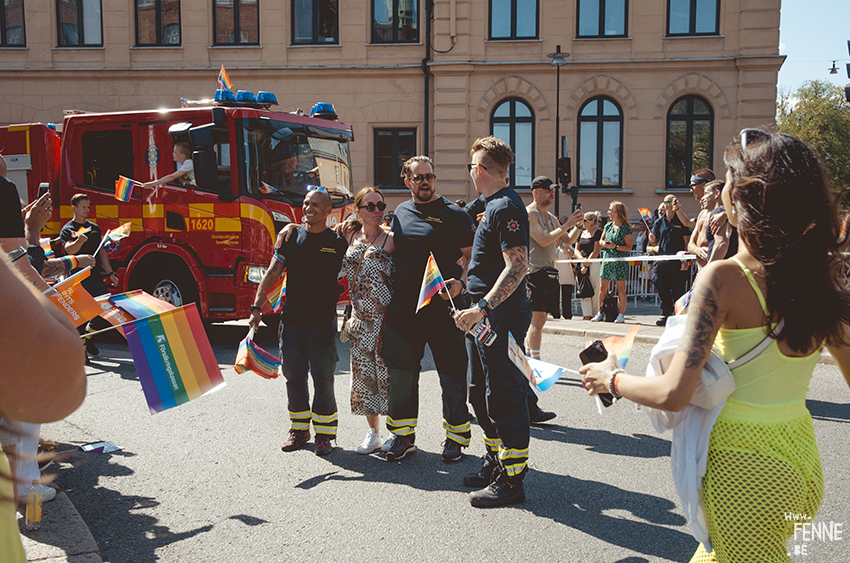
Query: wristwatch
{"type": "Point", "coordinates": [483, 306]}
{"type": "Point", "coordinates": [255, 308]}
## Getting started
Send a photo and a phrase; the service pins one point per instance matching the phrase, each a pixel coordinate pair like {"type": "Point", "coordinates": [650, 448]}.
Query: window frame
{"type": "Point", "coordinates": [236, 27]}
{"type": "Point", "coordinates": [600, 119]}
{"type": "Point", "coordinates": [396, 155]}
{"type": "Point", "coordinates": [4, 30]}
{"type": "Point", "coordinates": [601, 24]}
{"type": "Point", "coordinates": [513, 35]}
{"type": "Point", "coordinates": [512, 120]}
{"type": "Point", "coordinates": [690, 118]}
{"type": "Point", "coordinates": [158, 25]}
{"type": "Point", "coordinates": [395, 20]}
{"type": "Point", "coordinates": [692, 21]}
{"type": "Point", "coordinates": [80, 27]}
{"type": "Point", "coordinates": [315, 24]}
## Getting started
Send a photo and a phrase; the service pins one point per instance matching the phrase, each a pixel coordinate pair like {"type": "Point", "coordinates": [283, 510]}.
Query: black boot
{"type": "Point", "coordinates": [502, 491]}
{"type": "Point", "coordinates": [483, 476]}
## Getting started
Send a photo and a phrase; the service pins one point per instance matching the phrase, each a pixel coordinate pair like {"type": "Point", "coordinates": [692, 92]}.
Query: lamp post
{"type": "Point", "coordinates": [558, 60]}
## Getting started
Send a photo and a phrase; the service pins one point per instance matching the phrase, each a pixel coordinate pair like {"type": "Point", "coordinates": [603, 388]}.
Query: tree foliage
{"type": "Point", "coordinates": [819, 114]}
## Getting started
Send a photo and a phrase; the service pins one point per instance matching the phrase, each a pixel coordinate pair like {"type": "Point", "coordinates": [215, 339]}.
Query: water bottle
{"type": "Point", "coordinates": [482, 332]}
{"type": "Point", "coordinates": [34, 498]}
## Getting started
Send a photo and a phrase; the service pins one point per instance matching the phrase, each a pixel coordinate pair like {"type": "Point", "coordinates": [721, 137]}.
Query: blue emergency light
{"type": "Point", "coordinates": [324, 110]}
{"type": "Point", "coordinates": [223, 95]}
{"type": "Point", "coordinates": [266, 98]}
{"type": "Point", "coordinates": [245, 96]}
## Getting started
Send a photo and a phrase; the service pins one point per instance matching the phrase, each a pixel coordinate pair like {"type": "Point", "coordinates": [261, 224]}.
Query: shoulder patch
{"type": "Point", "coordinates": [513, 225]}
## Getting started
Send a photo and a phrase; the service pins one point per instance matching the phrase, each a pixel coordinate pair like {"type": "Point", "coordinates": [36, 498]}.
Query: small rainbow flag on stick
{"type": "Point", "coordinates": [124, 188]}
{"type": "Point", "coordinates": [224, 80]}
{"type": "Point", "coordinates": [251, 357]}
{"type": "Point", "coordinates": [114, 235]}
{"type": "Point", "coordinates": [267, 188]}
{"type": "Point", "coordinates": [432, 283]}
{"type": "Point", "coordinates": [622, 345]}
{"type": "Point", "coordinates": [645, 215]}
{"type": "Point", "coordinates": [45, 245]}
{"type": "Point", "coordinates": [82, 231]}
{"type": "Point", "coordinates": [173, 357]}
{"type": "Point", "coordinates": [276, 293]}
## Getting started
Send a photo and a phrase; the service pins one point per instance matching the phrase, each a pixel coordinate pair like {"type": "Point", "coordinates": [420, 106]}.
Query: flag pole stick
{"type": "Point", "coordinates": [113, 327]}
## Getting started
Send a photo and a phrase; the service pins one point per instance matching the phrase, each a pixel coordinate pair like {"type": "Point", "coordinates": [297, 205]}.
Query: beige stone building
{"type": "Point", "coordinates": [649, 91]}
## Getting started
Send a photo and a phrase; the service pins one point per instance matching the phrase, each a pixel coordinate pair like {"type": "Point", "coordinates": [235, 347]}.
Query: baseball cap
{"type": "Point", "coordinates": [541, 182]}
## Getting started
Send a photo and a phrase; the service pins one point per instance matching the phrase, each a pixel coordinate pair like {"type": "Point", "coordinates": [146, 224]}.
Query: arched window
{"type": "Point", "coordinates": [690, 134]}
{"type": "Point", "coordinates": [600, 143]}
{"type": "Point", "coordinates": [513, 122]}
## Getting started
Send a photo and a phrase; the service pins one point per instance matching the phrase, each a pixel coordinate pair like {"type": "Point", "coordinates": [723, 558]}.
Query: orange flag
{"type": "Point", "coordinates": [73, 299]}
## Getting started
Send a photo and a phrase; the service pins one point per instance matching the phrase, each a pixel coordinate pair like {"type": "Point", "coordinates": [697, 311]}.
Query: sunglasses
{"type": "Point", "coordinates": [747, 135]}
{"type": "Point", "coordinates": [380, 206]}
{"type": "Point", "coordinates": [469, 166]}
{"type": "Point", "coordinates": [668, 203]}
{"type": "Point", "coordinates": [316, 189]}
{"type": "Point", "coordinates": [418, 179]}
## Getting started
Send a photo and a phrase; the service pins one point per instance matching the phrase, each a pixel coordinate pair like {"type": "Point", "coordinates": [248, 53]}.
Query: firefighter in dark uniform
{"type": "Point", "coordinates": [427, 223]}
{"type": "Point", "coordinates": [496, 283]}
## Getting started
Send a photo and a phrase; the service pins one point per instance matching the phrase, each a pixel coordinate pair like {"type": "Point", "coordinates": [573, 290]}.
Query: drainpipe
{"type": "Point", "coordinates": [429, 5]}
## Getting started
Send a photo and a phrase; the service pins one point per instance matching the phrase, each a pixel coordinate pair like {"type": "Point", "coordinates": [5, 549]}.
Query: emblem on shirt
{"type": "Point", "coordinates": [328, 250]}
{"type": "Point", "coordinates": [513, 225]}
{"type": "Point", "coordinates": [433, 219]}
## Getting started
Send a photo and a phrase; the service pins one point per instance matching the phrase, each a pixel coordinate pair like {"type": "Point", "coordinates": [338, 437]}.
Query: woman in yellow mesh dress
{"type": "Point", "coordinates": [763, 461]}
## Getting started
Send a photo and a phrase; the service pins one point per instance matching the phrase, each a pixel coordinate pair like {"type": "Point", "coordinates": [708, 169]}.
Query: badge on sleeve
{"type": "Point", "coordinates": [513, 226]}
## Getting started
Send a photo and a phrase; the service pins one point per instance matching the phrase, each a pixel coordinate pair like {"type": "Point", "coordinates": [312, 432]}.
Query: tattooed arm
{"type": "Point", "coordinates": [672, 390]}
{"type": "Point", "coordinates": [516, 267]}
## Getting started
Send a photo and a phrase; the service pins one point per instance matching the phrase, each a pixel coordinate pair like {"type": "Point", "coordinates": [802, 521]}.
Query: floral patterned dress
{"type": "Point", "coordinates": [370, 293]}
{"type": "Point", "coordinates": [615, 271]}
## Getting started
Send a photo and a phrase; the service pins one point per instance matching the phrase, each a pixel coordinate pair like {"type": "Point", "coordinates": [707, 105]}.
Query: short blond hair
{"type": "Point", "coordinates": [497, 154]}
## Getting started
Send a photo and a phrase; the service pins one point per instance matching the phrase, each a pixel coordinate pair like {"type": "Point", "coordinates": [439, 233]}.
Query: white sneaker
{"type": "Point", "coordinates": [620, 318]}
{"type": "Point", "coordinates": [47, 494]}
{"type": "Point", "coordinates": [597, 318]}
{"type": "Point", "coordinates": [370, 443]}
{"type": "Point", "coordinates": [388, 444]}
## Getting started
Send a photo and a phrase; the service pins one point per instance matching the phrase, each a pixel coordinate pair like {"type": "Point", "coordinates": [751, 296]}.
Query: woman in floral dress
{"type": "Point", "coordinates": [616, 243]}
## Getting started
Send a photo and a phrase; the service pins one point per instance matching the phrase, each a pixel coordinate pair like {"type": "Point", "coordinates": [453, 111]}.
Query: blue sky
{"type": "Point", "coordinates": [813, 33]}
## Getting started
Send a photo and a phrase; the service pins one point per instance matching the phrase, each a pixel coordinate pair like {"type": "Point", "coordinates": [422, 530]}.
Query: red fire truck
{"type": "Point", "coordinates": [209, 241]}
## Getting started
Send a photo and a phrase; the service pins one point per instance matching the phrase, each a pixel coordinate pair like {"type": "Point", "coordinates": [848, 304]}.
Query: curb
{"type": "Point", "coordinates": [63, 536]}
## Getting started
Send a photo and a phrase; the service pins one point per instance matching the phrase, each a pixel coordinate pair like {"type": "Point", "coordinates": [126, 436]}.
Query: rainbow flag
{"type": "Point", "coordinates": [680, 307]}
{"type": "Point", "coordinates": [115, 235]}
{"type": "Point", "coordinates": [622, 345]}
{"type": "Point", "coordinates": [45, 245]}
{"type": "Point", "coordinates": [139, 304]}
{"type": "Point", "coordinates": [224, 80]}
{"type": "Point", "coordinates": [82, 231]}
{"type": "Point", "coordinates": [267, 188]}
{"type": "Point", "coordinates": [645, 214]}
{"type": "Point", "coordinates": [432, 283]}
{"type": "Point", "coordinates": [124, 188]}
{"type": "Point", "coordinates": [276, 293]}
{"type": "Point", "coordinates": [173, 357]}
{"type": "Point", "coordinates": [251, 357]}
{"type": "Point", "coordinates": [73, 299]}
{"type": "Point", "coordinates": [842, 234]}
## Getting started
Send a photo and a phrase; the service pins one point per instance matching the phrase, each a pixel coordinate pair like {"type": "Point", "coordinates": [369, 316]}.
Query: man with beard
{"type": "Point", "coordinates": [425, 224]}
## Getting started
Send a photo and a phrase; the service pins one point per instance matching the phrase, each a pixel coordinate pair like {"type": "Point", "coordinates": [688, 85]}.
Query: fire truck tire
{"type": "Point", "coordinates": [176, 287]}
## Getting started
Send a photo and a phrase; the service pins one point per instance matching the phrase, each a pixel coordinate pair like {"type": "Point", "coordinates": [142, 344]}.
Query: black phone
{"type": "Point", "coordinates": [595, 353]}
{"type": "Point", "coordinates": [43, 188]}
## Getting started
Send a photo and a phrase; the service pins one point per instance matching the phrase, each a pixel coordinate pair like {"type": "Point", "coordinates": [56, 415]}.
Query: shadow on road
{"type": "Point", "coordinates": [830, 412]}
{"type": "Point", "coordinates": [603, 441]}
{"type": "Point", "coordinates": [124, 534]}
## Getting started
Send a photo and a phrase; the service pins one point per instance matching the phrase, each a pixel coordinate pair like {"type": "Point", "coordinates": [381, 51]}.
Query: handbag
{"type": "Point", "coordinates": [584, 287]}
{"type": "Point", "coordinates": [345, 332]}
{"type": "Point", "coordinates": [610, 308]}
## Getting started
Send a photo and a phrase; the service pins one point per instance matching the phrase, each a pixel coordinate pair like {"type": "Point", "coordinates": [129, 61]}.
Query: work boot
{"type": "Point", "coordinates": [323, 445]}
{"type": "Point", "coordinates": [483, 476]}
{"type": "Point", "coordinates": [500, 492]}
{"type": "Point", "coordinates": [296, 440]}
{"type": "Point", "coordinates": [451, 451]}
{"type": "Point", "coordinates": [402, 446]}
{"type": "Point", "coordinates": [538, 415]}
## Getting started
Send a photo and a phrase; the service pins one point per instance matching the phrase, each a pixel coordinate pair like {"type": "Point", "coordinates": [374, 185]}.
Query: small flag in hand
{"type": "Point", "coordinates": [124, 188]}
{"type": "Point", "coordinates": [276, 293]}
{"type": "Point", "coordinates": [432, 283]}
{"type": "Point", "coordinates": [72, 298]}
{"type": "Point", "coordinates": [267, 188]}
{"type": "Point", "coordinates": [251, 357]}
{"type": "Point", "coordinates": [224, 80]}
{"type": "Point", "coordinates": [622, 345]}
{"type": "Point", "coordinates": [645, 214]}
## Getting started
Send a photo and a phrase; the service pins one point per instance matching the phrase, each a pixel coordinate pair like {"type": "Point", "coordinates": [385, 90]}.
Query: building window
{"type": "Point", "coordinates": [513, 19]}
{"type": "Point", "coordinates": [690, 130]}
{"type": "Point", "coordinates": [513, 122]}
{"type": "Point", "coordinates": [600, 143]}
{"type": "Point", "coordinates": [395, 21]}
{"type": "Point", "coordinates": [392, 148]}
{"type": "Point", "coordinates": [602, 18]}
{"type": "Point", "coordinates": [12, 24]}
{"type": "Point", "coordinates": [157, 22]}
{"type": "Point", "coordinates": [80, 23]}
{"type": "Point", "coordinates": [237, 22]}
{"type": "Point", "coordinates": [315, 22]}
{"type": "Point", "coordinates": [693, 17]}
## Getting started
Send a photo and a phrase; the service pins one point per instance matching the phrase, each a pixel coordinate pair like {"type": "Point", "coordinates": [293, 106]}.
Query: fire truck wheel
{"type": "Point", "coordinates": [177, 289]}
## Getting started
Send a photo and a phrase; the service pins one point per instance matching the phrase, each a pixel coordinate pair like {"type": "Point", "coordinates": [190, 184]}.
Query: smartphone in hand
{"type": "Point", "coordinates": [595, 353]}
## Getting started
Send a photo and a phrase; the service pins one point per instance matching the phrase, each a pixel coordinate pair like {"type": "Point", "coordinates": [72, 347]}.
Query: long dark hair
{"type": "Point", "coordinates": [788, 219]}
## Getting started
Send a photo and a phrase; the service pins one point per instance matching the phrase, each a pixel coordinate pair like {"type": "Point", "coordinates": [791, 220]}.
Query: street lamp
{"type": "Point", "coordinates": [558, 60]}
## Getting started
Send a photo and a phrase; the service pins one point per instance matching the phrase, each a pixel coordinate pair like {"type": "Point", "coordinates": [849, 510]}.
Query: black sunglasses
{"type": "Point", "coordinates": [469, 166]}
{"type": "Point", "coordinates": [380, 206]}
{"type": "Point", "coordinates": [419, 177]}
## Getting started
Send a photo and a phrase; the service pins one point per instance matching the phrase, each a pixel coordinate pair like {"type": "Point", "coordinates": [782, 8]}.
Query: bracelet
{"type": "Point", "coordinates": [612, 383]}
{"type": "Point", "coordinates": [255, 308]}
{"type": "Point", "coordinates": [110, 274]}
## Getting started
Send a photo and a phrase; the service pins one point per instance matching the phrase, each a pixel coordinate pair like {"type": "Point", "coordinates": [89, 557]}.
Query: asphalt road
{"type": "Point", "coordinates": [207, 481]}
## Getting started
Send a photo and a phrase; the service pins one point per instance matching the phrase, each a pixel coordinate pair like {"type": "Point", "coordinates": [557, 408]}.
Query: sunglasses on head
{"type": "Point", "coordinates": [420, 177]}
{"type": "Point", "coordinates": [371, 206]}
{"type": "Point", "coordinates": [316, 189]}
{"type": "Point", "coordinates": [748, 135]}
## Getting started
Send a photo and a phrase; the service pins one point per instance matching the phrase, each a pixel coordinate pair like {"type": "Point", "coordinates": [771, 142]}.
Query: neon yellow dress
{"type": "Point", "coordinates": [11, 550]}
{"type": "Point", "coordinates": [763, 461]}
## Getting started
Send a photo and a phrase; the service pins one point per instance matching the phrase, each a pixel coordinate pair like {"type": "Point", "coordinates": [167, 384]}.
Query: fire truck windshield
{"type": "Point", "coordinates": [282, 160]}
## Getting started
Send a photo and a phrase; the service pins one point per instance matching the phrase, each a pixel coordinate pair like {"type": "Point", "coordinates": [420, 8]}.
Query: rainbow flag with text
{"type": "Point", "coordinates": [173, 357]}
{"type": "Point", "coordinates": [432, 283]}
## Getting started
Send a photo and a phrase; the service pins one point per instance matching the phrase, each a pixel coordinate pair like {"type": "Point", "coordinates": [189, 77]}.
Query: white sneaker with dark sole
{"type": "Point", "coordinates": [371, 442]}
